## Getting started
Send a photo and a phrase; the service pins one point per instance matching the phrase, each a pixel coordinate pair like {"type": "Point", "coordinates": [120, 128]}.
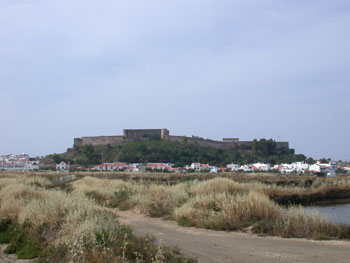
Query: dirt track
{"type": "Point", "coordinates": [218, 246]}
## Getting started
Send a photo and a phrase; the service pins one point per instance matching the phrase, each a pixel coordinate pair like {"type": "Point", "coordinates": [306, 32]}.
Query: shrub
{"type": "Point", "coordinates": [159, 201]}
{"type": "Point", "coordinates": [121, 199]}
{"type": "Point", "coordinates": [20, 242]}
{"type": "Point", "coordinates": [226, 211]}
{"type": "Point", "coordinates": [6, 230]}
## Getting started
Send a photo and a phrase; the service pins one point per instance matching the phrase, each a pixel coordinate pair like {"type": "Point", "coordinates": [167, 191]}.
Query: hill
{"type": "Point", "coordinates": [177, 153]}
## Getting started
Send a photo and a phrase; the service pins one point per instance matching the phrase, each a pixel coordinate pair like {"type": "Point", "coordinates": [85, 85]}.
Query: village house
{"type": "Point", "coordinates": [284, 168]}
{"type": "Point", "coordinates": [62, 166]}
{"type": "Point", "coordinates": [20, 162]}
{"type": "Point", "coordinates": [261, 167]}
{"type": "Point", "coordinates": [300, 167]}
{"type": "Point", "coordinates": [328, 169]}
{"type": "Point", "coordinates": [160, 166]}
{"type": "Point", "coordinates": [247, 168]}
{"type": "Point", "coordinates": [117, 166]}
{"type": "Point", "coordinates": [233, 167]}
{"type": "Point", "coordinates": [214, 169]}
{"type": "Point", "coordinates": [199, 167]}
{"type": "Point", "coordinates": [131, 168]}
{"type": "Point", "coordinates": [32, 165]}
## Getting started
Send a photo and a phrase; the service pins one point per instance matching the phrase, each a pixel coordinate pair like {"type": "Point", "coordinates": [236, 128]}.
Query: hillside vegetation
{"type": "Point", "coordinates": [179, 154]}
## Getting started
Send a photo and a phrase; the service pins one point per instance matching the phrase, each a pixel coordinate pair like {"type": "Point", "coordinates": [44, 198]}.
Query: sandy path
{"type": "Point", "coordinates": [218, 246]}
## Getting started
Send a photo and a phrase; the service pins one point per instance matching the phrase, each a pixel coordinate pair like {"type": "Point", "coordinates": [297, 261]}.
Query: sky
{"type": "Point", "coordinates": [212, 68]}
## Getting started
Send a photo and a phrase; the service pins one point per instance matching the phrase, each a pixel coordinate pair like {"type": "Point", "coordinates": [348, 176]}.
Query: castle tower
{"type": "Point", "coordinates": [164, 134]}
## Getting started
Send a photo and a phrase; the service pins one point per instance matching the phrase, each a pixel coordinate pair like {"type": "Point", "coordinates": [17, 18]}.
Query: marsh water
{"type": "Point", "coordinates": [337, 213]}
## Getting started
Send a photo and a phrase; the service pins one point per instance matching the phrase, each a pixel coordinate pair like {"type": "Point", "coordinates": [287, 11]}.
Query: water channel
{"type": "Point", "coordinates": [336, 213]}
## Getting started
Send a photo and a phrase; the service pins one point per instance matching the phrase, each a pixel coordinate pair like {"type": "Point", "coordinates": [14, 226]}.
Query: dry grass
{"type": "Point", "coordinates": [71, 226]}
{"type": "Point", "coordinates": [221, 203]}
{"type": "Point", "coordinates": [218, 185]}
{"type": "Point", "coordinates": [158, 200]}
{"type": "Point", "coordinates": [225, 211]}
{"type": "Point", "coordinates": [151, 199]}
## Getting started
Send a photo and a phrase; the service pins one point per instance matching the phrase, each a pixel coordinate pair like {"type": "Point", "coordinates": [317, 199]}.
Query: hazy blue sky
{"type": "Point", "coordinates": [223, 68]}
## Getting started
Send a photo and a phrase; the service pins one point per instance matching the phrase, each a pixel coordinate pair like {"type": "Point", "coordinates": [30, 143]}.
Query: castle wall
{"type": "Point", "coordinates": [242, 145]}
{"type": "Point", "coordinates": [163, 134]}
{"type": "Point", "coordinates": [282, 145]}
{"type": "Point", "coordinates": [98, 140]}
{"type": "Point", "coordinates": [234, 145]}
{"type": "Point", "coordinates": [145, 134]}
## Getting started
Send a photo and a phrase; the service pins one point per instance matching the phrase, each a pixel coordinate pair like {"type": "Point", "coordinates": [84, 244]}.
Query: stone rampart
{"type": "Point", "coordinates": [98, 140]}
{"type": "Point", "coordinates": [237, 145]}
{"type": "Point", "coordinates": [282, 145]}
{"type": "Point", "coordinates": [145, 134]}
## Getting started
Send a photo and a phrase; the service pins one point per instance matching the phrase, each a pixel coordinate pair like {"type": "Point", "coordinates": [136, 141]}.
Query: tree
{"type": "Point", "coordinates": [89, 156]}
{"type": "Point", "coordinates": [255, 145]}
{"type": "Point", "coordinates": [324, 160]}
{"type": "Point", "coordinates": [57, 158]}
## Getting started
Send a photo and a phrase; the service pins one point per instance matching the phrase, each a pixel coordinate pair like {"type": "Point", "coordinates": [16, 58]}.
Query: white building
{"type": "Point", "coordinates": [286, 170]}
{"type": "Point", "coordinates": [233, 167]}
{"type": "Point", "coordinates": [116, 166]}
{"type": "Point", "coordinates": [159, 166]}
{"type": "Point", "coordinates": [246, 168]}
{"type": "Point", "coordinates": [324, 168]}
{"type": "Point", "coordinates": [62, 166]}
{"type": "Point", "coordinates": [35, 165]}
{"type": "Point", "coordinates": [22, 162]}
{"type": "Point", "coordinates": [300, 166]}
{"type": "Point", "coordinates": [214, 169]}
{"type": "Point", "coordinates": [131, 168]}
{"type": "Point", "coordinates": [262, 167]}
{"type": "Point", "coordinates": [195, 166]}
{"type": "Point", "coordinates": [199, 166]}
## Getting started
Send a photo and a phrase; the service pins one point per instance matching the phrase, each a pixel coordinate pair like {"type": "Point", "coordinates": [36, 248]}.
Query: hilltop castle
{"type": "Point", "coordinates": [163, 134]}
